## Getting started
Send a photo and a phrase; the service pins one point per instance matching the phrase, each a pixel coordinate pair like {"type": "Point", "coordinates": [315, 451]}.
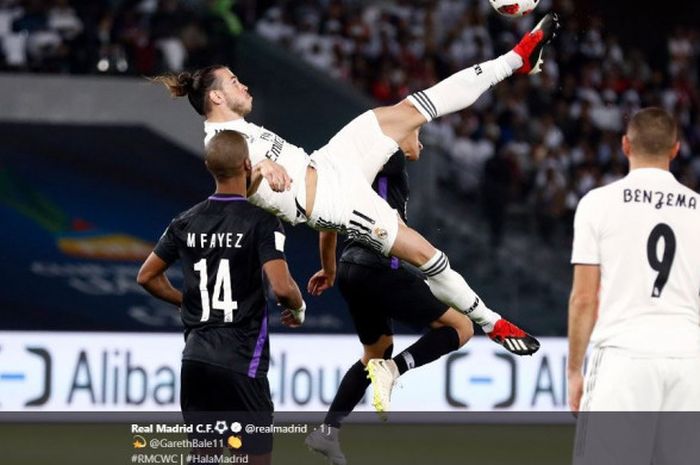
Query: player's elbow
{"type": "Point", "coordinates": [581, 301]}
{"type": "Point", "coordinates": [144, 277]}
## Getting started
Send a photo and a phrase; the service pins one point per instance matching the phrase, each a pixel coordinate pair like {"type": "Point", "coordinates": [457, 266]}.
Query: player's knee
{"type": "Point", "coordinates": [413, 247]}
{"type": "Point", "coordinates": [460, 323]}
{"type": "Point", "coordinates": [465, 330]}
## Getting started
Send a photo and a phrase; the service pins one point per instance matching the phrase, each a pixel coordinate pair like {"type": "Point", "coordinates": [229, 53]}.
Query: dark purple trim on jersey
{"type": "Point", "coordinates": [383, 187]}
{"type": "Point", "coordinates": [259, 345]}
{"type": "Point", "coordinates": [227, 198]}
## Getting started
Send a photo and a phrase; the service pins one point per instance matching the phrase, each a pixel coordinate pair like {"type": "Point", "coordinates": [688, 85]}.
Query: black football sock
{"type": "Point", "coordinates": [433, 345]}
{"type": "Point", "coordinates": [350, 392]}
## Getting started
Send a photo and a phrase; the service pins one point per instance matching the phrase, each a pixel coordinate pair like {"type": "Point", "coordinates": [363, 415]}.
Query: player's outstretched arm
{"type": "Point", "coordinates": [583, 307]}
{"type": "Point", "coordinates": [325, 277]}
{"type": "Point", "coordinates": [276, 176]}
{"type": "Point", "coordinates": [286, 291]}
{"type": "Point", "coordinates": [152, 278]}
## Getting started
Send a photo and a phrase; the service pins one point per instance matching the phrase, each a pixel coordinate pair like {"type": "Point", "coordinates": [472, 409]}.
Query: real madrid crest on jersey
{"type": "Point", "coordinates": [380, 233]}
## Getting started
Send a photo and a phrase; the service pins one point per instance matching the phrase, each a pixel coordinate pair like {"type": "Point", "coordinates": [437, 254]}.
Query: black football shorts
{"type": "Point", "coordinates": [214, 395]}
{"type": "Point", "coordinates": [377, 295]}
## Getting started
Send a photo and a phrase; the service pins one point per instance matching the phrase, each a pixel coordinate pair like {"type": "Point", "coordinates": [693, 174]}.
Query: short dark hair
{"type": "Point", "coordinates": [195, 85]}
{"type": "Point", "coordinates": [225, 154]}
{"type": "Point", "coordinates": [652, 132]}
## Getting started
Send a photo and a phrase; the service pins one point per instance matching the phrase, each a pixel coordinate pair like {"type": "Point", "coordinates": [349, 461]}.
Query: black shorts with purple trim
{"type": "Point", "coordinates": [220, 397]}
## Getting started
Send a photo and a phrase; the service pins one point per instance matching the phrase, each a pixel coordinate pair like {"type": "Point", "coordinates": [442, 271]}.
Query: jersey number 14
{"type": "Point", "coordinates": [223, 294]}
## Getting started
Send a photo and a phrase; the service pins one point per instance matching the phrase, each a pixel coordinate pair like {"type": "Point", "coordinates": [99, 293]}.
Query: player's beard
{"type": "Point", "coordinates": [241, 107]}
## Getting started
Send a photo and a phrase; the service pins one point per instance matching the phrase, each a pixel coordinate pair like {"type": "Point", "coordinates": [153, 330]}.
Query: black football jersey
{"type": "Point", "coordinates": [222, 244]}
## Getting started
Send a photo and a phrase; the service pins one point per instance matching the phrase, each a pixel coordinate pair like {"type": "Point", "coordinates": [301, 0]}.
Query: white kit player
{"type": "Point", "coordinates": [636, 297]}
{"type": "Point", "coordinates": [331, 189]}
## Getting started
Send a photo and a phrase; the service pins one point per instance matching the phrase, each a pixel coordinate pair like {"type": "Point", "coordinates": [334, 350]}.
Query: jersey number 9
{"type": "Point", "coordinates": [663, 266]}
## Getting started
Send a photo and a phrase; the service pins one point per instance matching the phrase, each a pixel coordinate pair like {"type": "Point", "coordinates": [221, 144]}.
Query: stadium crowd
{"type": "Point", "coordinates": [115, 36]}
{"type": "Point", "coordinates": [534, 144]}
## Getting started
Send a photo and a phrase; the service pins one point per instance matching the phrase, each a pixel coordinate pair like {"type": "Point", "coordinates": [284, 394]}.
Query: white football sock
{"type": "Point", "coordinates": [451, 289]}
{"type": "Point", "coordinates": [463, 88]}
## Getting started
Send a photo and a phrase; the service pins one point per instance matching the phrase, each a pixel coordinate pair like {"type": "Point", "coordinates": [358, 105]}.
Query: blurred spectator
{"type": "Point", "coordinates": [122, 37]}
{"type": "Point", "coordinates": [498, 186]}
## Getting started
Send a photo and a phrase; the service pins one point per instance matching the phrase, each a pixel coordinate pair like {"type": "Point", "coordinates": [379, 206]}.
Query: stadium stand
{"type": "Point", "coordinates": [501, 179]}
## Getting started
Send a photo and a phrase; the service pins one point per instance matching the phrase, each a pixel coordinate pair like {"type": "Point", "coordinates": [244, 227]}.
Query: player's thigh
{"type": "Point", "coordinates": [377, 295]}
{"type": "Point", "coordinates": [371, 220]}
{"type": "Point", "coordinates": [682, 393]}
{"type": "Point", "coordinates": [357, 285]}
{"type": "Point", "coordinates": [618, 382]}
{"type": "Point", "coordinates": [408, 299]}
{"type": "Point", "coordinates": [361, 143]}
{"type": "Point", "coordinates": [398, 121]}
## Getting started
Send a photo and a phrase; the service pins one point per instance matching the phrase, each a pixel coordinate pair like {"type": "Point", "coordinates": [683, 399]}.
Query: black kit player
{"type": "Point", "coordinates": [378, 289]}
{"type": "Point", "coordinates": [225, 245]}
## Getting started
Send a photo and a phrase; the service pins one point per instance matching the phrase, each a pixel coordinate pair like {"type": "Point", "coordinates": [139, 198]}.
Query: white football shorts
{"type": "Point", "coordinates": [619, 381]}
{"type": "Point", "coordinates": [345, 201]}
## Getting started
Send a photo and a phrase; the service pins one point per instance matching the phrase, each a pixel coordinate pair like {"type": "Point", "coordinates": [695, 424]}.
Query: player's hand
{"type": "Point", "coordinates": [275, 175]}
{"type": "Point", "coordinates": [575, 390]}
{"type": "Point", "coordinates": [320, 281]}
{"type": "Point", "coordinates": [294, 318]}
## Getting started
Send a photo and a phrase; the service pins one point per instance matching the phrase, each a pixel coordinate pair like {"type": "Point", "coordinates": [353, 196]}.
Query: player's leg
{"type": "Point", "coordinates": [463, 88]}
{"type": "Point", "coordinates": [362, 288]}
{"type": "Point", "coordinates": [451, 288]}
{"type": "Point", "coordinates": [373, 328]}
{"type": "Point", "coordinates": [409, 300]}
{"type": "Point", "coordinates": [678, 432]}
{"type": "Point", "coordinates": [610, 428]}
{"type": "Point", "coordinates": [448, 333]}
{"type": "Point", "coordinates": [326, 439]}
{"type": "Point", "coordinates": [373, 222]}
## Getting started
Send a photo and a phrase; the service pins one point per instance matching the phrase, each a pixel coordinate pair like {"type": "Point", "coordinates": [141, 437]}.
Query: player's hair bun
{"type": "Point", "coordinates": [185, 84]}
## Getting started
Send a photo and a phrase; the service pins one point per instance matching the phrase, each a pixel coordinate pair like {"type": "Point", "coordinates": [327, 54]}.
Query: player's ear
{"type": "Point", "coordinates": [626, 146]}
{"type": "Point", "coordinates": [675, 151]}
{"type": "Point", "coordinates": [215, 96]}
{"type": "Point", "coordinates": [247, 165]}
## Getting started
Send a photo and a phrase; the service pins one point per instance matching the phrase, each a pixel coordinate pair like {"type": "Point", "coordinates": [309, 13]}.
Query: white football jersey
{"type": "Point", "coordinates": [644, 232]}
{"type": "Point", "coordinates": [264, 144]}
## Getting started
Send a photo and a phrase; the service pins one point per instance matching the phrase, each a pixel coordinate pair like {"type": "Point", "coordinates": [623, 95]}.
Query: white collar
{"type": "Point", "coordinates": [231, 124]}
{"type": "Point", "coordinates": [644, 172]}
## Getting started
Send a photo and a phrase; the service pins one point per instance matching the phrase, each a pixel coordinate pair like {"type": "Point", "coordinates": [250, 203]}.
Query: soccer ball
{"type": "Point", "coordinates": [514, 8]}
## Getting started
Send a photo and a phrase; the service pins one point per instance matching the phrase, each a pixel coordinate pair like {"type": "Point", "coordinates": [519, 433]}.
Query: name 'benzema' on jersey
{"type": "Point", "coordinates": [660, 199]}
{"type": "Point", "coordinates": [264, 144]}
